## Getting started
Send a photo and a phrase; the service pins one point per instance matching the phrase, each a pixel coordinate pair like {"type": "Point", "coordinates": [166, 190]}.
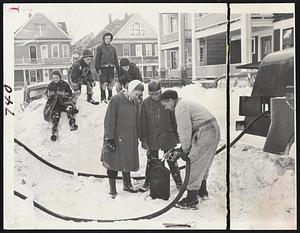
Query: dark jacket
{"type": "Point", "coordinates": [106, 55]}
{"type": "Point", "coordinates": [62, 100]}
{"type": "Point", "coordinates": [132, 74]}
{"type": "Point", "coordinates": [121, 124]}
{"type": "Point", "coordinates": [158, 126]}
{"type": "Point", "coordinates": [80, 73]}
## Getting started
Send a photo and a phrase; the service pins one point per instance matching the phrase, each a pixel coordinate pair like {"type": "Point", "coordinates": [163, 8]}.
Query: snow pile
{"type": "Point", "coordinates": [262, 189]}
{"type": "Point", "coordinates": [79, 151]}
{"type": "Point", "coordinates": [262, 184]}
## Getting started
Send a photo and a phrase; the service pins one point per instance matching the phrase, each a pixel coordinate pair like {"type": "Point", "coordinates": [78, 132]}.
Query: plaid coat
{"type": "Point", "coordinates": [158, 126]}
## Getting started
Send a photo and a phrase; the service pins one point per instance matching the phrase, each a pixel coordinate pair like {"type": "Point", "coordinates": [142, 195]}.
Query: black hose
{"type": "Point", "coordinates": [119, 177]}
{"type": "Point", "coordinates": [62, 169]}
{"type": "Point", "coordinates": [240, 135]}
{"type": "Point", "coordinates": [149, 216]}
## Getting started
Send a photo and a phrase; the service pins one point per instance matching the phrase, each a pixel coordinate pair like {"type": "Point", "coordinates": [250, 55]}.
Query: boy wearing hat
{"type": "Point", "coordinates": [80, 73]}
{"type": "Point", "coordinates": [105, 63]}
{"type": "Point", "coordinates": [59, 95]}
{"type": "Point", "coordinates": [128, 72]}
{"type": "Point", "coordinates": [158, 132]}
{"type": "Point", "coordinates": [199, 135]}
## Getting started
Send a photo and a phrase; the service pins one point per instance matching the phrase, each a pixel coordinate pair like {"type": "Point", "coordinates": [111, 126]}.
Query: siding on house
{"type": "Point", "coordinates": [276, 41]}
{"type": "Point", "coordinates": [216, 50]}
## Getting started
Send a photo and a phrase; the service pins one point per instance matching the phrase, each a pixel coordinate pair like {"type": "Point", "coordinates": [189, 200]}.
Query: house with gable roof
{"type": "Point", "coordinates": [40, 46]}
{"type": "Point", "coordinates": [134, 39]}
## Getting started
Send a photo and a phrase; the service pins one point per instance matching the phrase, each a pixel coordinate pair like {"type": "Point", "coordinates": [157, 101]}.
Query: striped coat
{"type": "Point", "coordinates": [158, 126]}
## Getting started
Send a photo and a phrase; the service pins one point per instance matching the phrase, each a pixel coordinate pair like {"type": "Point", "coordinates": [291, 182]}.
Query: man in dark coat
{"type": "Point", "coordinates": [59, 95]}
{"type": "Point", "coordinates": [158, 132]}
{"type": "Point", "coordinates": [81, 74]}
{"type": "Point", "coordinates": [128, 72]}
{"type": "Point", "coordinates": [105, 64]}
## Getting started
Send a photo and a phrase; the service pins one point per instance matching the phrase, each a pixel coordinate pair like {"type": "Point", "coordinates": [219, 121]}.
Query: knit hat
{"type": "Point", "coordinates": [55, 72]}
{"type": "Point", "coordinates": [154, 85]}
{"type": "Point", "coordinates": [108, 34]}
{"type": "Point", "coordinates": [87, 53]}
{"type": "Point", "coordinates": [124, 62]}
{"type": "Point", "coordinates": [135, 85]}
{"type": "Point", "coordinates": [169, 94]}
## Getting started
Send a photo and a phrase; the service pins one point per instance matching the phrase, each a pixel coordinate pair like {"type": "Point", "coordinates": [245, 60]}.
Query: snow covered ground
{"type": "Point", "coordinates": [262, 184]}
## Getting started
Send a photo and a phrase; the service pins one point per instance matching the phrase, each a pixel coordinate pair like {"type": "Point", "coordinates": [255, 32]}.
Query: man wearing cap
{"type": "Point", "coordinates": [128, 72]}
{"type": "Point", "coordinates": [199, 135]}
{"type": "Point", "coordinates": [105, 64]}
{"type": "Point", "coordinates": [158, 132]}
{"type": "Point", "coordinates": [80, 73]}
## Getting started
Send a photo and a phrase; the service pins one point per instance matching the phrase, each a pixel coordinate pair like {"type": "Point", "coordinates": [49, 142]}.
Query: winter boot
{"type": "Point", "coordinates": [127, 186]}
{"type": "Point", "coordinates": [202, 192]}
{"type": "Point", "coordinates": [109, 94]}
{"type": "Point", "coordinates": [112, 188]}
{"type": "Point", "coordinates": [90, 100]}
{"type": "Point", "coordinates": [146, 185]}
{"type": "Point", "coordinates": [190, 201]}
{"type": "Point", "coordinates": [103, 96]}
{"type": "Point", "coordinates": [72, 124]}
{"type": "Point", "coordinates": [175, 174]}
{"type": "Point", "coordinates": [54, 132]}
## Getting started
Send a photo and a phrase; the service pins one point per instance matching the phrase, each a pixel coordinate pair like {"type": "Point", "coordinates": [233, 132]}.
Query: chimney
{"type": "Point", "coordinates": [126, 15]}
{"type": "Point", "coordinates": [109, 18]}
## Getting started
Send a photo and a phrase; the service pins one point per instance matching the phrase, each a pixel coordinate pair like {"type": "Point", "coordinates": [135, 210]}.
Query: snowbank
{"type": "Point", "coordinates": [258, 179]}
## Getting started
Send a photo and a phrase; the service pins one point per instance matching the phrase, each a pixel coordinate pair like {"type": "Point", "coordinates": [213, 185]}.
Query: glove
{"type": "Point", "coordinates": [144, 145]}
{"type": "Point", "coordinates": [50, 93]}
{"type": "Point", "coordinates": [111, 145]}
{"type": "Point", "coordinates": [174, 154]}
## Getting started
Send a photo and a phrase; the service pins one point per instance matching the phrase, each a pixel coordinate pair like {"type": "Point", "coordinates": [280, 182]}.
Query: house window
{"type": "Point", "coordinates": [201, 53]}
{"type": "Point", "coordinates": [65, 72]}
{"type": "Point", "coordinates": [132, 30]}
{"type": "Point", "coordinates": [148, 49]}
{"type": "Point", "coordinates": [174, 60]}
{"type": "Point", "coordinates": [65, 50]}
{"type": "Point", "coordinates": [142, 31]}
{"type": "Point", "coordinates": [39, 29]}
{"type": "Point", "coordinates": [253, 45]}
{"type": "Point", "coordinates": [287, 38]}
{"type": "Point", "coordinates": [44, 51]}
{"type": "Point", "coordinates": [137, 28]}
{"type": "Point", "coordinates": [126, 50]}
{"type": "Point", "coordinates": [173, 24]}
{"type": "Point", "coordinates": [32, 76]}
{"type": "Point", "coordinates": [139, 50]}
{"type": "Point", "coordinates": [149, 71]}
{"type": "Point", "coordinates": [55, 51]}
{"type": "Point", "coordinates": [155, 50]}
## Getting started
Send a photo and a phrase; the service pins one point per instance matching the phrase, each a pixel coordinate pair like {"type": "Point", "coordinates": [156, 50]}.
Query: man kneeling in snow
{"type": "Point", "coordinates": [199, 135]}
{"type": "Point", "coordinates": [59, 95]}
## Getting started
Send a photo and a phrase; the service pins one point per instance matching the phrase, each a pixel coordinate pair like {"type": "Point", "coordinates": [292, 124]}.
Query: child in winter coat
{"type": "Point", "coordinates": [81, 74]}
{"type": "Point", "coordinates": [59, 95]}
{"type": "Point", "coordinates": [199, 135]}
{"type": "Point", "coordinates": [158, 132]}
{"type": "Point", "coordinates": [105, 64]}
{"type": "Point", "coordinates": [128, 72]}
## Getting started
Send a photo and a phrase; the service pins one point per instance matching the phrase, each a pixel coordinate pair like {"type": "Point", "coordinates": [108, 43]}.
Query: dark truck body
{"type": "Point", "coordinates": [273, 91]}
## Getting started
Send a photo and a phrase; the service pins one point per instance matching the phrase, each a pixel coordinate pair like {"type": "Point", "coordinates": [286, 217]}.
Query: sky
{"type": "Point", "coordinates": [81, 19]}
